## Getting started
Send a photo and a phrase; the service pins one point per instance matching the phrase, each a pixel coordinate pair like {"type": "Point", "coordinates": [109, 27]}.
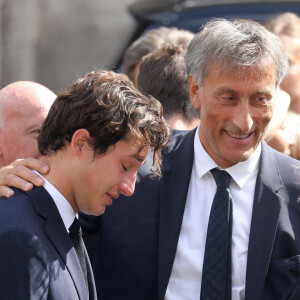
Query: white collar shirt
{"type": "Point", "coordinates": [185, 279]}
{"type": "Point", "coordinates": [64, 207]}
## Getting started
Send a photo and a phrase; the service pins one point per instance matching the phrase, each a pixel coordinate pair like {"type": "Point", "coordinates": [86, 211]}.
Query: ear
{"type": "Point", "coordinates": [194, 92]}
{"type": "Point", "coordinates": [79, 142]}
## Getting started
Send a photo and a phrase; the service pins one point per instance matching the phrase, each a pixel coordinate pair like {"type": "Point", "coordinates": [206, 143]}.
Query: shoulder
{"type": "Point", "coordinates": [180, 138]}
{"type": "Point", "coordinates": [18, 212]}
{"type": "Point", "coordinates": [18, 204]}
{"type": "Point", "coordinates": [286, 162]}
{"type": "Point", "coordinates": [178, 153]}
{"type": "Point", "coordinates": [288, 169]}
{"type": "Point", "coordinates": [180, 150]}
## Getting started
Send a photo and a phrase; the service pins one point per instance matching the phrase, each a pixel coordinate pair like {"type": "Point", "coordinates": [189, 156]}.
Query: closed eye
{"type": "Point", "coordinates": [35, 133]}
{"type": "Point", "coordinates": [228, 98]}
{"type": "Point", "coordinates": [261, 99]}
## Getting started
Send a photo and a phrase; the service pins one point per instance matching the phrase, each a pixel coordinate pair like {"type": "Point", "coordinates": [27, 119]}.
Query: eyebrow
{"type": "Point", "coordinates": [231, 91]}
{"type": "Point", "coordinates": [264, 92]}
{"type": "Point", "coordinates": [224, 89]}
{"type": "Point", "coordinates": [139, 158]}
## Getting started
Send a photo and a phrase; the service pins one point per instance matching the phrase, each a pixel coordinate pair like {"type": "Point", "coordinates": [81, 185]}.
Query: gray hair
{"type": "Point", "coordinates": [236, 46]}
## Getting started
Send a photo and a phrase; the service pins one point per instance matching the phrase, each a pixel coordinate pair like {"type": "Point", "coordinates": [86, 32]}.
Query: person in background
{"type": "Point", "coordinates": [95, 138]}
{"type": "Point", "coordinates": [24, 106]}
{"type": "Point", "coordinates": [287, 27]}
{"type": "Point", "coordinates": [222, 170]}
{"type": "Point", "coordinates": [152, 40]}
{"type": "Point", "coordinates": [163, 75]}
{"type": "Point", "coordinates": [279, 135]}
{"type": "Point", "coordinates": [292, 123]}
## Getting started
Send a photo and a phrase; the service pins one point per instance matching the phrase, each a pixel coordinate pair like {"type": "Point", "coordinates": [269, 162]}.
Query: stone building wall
{"type": "Point", "coordinates": [53, 42]}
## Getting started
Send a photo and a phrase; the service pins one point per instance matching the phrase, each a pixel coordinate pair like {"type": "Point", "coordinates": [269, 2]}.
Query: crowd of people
{"type": "Point", "coordinates": [209, 210]}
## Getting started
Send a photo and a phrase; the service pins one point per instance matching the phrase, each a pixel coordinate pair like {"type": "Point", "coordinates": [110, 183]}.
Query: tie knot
{"type": "Point", "coordinates": [222, 178]}
{"type": "Point", "coordinates": [75, 227]}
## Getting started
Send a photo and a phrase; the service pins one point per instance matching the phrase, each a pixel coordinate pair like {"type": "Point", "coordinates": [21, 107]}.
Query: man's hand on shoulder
{"type": "Point", "coordinates": [19, 174]}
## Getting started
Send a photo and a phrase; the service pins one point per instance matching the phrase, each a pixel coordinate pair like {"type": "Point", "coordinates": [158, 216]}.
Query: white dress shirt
{"type": "Point", "coordinates": [64, 207]}
{"type": "Point", "coordinates": [185, 280]}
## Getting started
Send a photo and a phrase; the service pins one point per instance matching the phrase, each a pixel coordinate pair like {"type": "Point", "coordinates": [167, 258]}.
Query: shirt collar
{"type": "Point", "coordinates": [64, 207]}
{"type": "Point", "coordinates": [240, 172]}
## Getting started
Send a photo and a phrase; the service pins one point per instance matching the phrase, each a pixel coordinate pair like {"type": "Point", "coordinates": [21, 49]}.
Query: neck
{"type": "Point", "coordinates": [59, 176]}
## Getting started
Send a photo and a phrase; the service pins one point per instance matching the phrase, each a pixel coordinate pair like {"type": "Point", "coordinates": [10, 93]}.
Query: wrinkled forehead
{"type": "Point", "coordinates": [263, 69]}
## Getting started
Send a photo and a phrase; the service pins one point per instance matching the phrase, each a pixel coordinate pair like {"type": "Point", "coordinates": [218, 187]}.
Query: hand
{"type": "Point", "coordinates": [19, 174]}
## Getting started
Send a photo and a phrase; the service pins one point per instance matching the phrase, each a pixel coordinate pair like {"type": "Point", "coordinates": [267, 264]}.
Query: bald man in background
{"type": "Point", "coordinates": [24, 106]}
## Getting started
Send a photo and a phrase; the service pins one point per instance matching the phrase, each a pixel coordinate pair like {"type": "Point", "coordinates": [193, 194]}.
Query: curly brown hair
{"type": "Point", "coordinates": [109, 106]}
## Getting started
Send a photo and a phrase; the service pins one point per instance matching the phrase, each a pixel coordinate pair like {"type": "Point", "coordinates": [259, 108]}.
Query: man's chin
{"type": "Point", "coordinates": [231, 158]}
{"type": "Point", "coordinates": [98, 211]}
{"type": "Point", "coordinates": [241, 157]}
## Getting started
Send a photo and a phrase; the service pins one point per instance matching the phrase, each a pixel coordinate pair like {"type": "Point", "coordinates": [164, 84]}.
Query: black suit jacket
{"type": "Point", "coordinates": [139, 235]}
{"type": "Point", "coordinates": [37, 258]}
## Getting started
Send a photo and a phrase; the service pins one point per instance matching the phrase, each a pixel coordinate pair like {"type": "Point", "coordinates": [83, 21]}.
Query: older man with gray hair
{"type": "Point", "coordinates": [223, 223]}
{"type": "Point", "coordinates": [24, 106]}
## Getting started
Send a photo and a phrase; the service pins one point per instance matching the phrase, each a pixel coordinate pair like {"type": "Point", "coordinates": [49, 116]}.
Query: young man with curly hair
{"type": "Point", "coordinates": [95, 138]}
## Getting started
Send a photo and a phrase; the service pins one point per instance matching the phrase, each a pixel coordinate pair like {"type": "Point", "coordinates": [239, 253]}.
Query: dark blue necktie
{"type": "Point", "coordinates": [76, 238]}
{"type": "Point", "coordinates": [216, 275]}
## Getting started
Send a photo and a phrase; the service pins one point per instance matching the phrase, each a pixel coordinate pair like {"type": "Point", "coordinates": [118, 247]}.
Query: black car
{"type": "Point", "coordinates": [192, 14]}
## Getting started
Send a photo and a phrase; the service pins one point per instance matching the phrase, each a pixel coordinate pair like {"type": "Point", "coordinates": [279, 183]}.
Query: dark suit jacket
{"type": "Point", "coordinates": [139, 235]}
{"type": "Point", "coordinates": [37, 258]}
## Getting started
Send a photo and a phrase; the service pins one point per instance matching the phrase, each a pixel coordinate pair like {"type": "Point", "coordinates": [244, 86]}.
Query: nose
{"type": "Point", "coordinates": [242, 118]}
{"type": "Point", "coordinates": [127, 185]}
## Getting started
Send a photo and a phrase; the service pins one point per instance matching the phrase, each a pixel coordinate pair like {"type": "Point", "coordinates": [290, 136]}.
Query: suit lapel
{"type": "Point", "coordinates": [266, 210]}
{"type": "Point", "coordinates": [57, 234]}
{"type": "Point", "coordinates": [175, 183]}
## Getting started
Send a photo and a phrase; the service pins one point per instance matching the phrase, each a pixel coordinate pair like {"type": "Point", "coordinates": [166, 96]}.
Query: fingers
{"type": "Point", "coordinates": [32, 163]}
{"type": "Point", "coordinates": [13, 176]}
{"type": "Point", "coordinates": [19, 175]}
{"type": "Point", "coordinates": [6, 191]}
{"type": "Point", "coordinates": [19, 183]}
